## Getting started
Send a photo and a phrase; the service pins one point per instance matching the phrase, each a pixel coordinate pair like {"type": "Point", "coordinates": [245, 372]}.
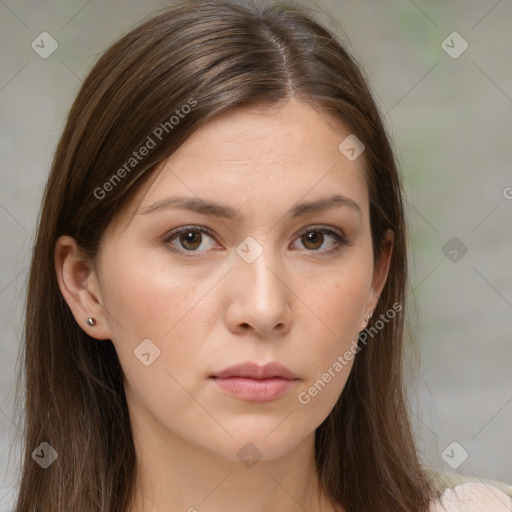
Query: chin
{"type": "Point", "coordinates": [255, 444]}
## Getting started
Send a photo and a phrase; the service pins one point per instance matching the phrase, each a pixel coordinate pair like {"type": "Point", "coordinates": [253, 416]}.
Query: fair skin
{"type": "Point", "coordinates": [296, 304]}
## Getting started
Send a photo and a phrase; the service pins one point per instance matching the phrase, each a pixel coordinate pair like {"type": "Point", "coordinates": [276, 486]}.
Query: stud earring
{"type": "Point", "coordinates": [367, 319]}
{"type": "Point", "coordinates": [91, 322]}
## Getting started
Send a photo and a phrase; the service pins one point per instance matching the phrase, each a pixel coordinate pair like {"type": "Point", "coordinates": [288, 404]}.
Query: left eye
{"type": "Point", "coordinates": [191, 238]}
{"type": "Point", "coordinates": [314, 237]}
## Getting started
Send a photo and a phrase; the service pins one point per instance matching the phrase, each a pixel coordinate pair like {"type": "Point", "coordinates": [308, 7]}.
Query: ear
{"type": "Point", "coordinates": [380, 271]}
{"type": "Point", "coordinates": [78, 284]}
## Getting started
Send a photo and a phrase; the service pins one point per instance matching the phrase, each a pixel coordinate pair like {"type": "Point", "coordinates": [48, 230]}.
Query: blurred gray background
{"type": "Point", "coordinates": [449, 111]}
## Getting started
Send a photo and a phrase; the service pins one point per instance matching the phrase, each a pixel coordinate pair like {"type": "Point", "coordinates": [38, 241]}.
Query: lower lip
{"type": "Point", "coordinates": [254, 390]}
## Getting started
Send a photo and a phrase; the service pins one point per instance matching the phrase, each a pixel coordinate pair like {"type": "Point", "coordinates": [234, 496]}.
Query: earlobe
{"type": "Point", "coordinates": [78, 284]}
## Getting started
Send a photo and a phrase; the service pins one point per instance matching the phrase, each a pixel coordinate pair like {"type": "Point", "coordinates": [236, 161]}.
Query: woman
{"type": "Point", "coordinates": [216, 298]}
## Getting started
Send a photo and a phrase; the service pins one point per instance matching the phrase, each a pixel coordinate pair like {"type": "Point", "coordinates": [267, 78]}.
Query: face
{"type": "Point", "coordinates": [245, 269]}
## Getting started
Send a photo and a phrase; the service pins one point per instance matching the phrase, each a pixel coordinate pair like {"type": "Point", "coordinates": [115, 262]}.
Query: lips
{"type": "Point", "coordinates": [252, 383]}
{"type": "Point", "coordinates": [254, 371]}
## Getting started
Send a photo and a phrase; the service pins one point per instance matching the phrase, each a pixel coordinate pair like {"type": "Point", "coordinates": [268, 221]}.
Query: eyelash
{"type": "Point", "coordinates": [340, 239]}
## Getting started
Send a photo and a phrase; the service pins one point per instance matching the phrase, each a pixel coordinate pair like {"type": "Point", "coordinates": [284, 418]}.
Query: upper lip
{"type": "Point", "coordinates": [254, 371]}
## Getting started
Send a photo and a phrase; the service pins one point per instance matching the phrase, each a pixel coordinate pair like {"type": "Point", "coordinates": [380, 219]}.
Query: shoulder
{"type": "Point", "coordinates": [462, 493]}
{"type": "Point", "coordinates": [473, 497]}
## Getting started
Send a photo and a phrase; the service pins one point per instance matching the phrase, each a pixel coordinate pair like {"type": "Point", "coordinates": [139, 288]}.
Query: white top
{"type": "Point", "coordinates": [473, 497]}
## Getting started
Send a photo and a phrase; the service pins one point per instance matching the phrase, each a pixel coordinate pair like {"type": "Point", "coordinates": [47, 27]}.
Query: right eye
{"type": "Point", "coordinates": [190, 238]}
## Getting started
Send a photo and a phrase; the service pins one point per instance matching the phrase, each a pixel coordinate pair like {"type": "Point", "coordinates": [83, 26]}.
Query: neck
{"type": "Point", "coordinates": [176, 476]}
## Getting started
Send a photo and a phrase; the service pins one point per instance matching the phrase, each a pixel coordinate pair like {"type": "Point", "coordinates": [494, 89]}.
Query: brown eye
{"type": "Point", "coordinates": [312, 240]}
{"type": "Point", "coordinates": [190, 240]}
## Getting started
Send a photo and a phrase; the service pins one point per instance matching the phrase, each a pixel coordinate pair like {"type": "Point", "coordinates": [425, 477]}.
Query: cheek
{"type": "Point", "coordinates": [149, 302]}
{"type": "Point", "coordinates": [343, 299]}
{"type": "Point", "coordinates": [146, 296]}
{"type": "Point", "coordinates": [332, 347]}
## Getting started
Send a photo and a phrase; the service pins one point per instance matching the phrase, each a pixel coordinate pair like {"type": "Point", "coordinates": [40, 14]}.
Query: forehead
{"type": "Point", "coordinates": [271, 139]}
{"type": "Point", "coordinates": [260, 160]}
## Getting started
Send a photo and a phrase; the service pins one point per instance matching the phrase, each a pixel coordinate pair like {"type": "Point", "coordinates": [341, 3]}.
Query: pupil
{"type": "Point", "coordinates": [313, 237]}
{"type": "Point", "coordinates": [191, 238]}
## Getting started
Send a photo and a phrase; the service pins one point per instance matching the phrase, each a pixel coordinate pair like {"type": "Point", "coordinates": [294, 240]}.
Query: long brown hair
{"type": "Point", "coordinates": [212, 56]}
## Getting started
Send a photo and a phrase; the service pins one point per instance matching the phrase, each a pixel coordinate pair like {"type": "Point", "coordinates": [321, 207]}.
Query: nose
{"type": "Point", "coordinates": [260, 297]}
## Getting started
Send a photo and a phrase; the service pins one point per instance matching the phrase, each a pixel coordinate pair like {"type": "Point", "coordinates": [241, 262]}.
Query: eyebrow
{"type": "Point", "coordinates": [211, 208]}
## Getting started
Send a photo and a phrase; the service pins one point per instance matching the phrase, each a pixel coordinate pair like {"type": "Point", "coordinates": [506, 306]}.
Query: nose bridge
{"type": "Point", "coordinates": [261, 294]}
{"type": "Point", "coordinates": [257, 267]}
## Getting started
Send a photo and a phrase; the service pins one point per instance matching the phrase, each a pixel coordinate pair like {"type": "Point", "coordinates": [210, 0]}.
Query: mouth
{"type": "Point", "coordinates": [253, 383]}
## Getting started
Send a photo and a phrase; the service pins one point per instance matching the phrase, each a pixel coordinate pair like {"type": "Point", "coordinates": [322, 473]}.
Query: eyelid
{"type": "Point", "coordinates": [327, 229]}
